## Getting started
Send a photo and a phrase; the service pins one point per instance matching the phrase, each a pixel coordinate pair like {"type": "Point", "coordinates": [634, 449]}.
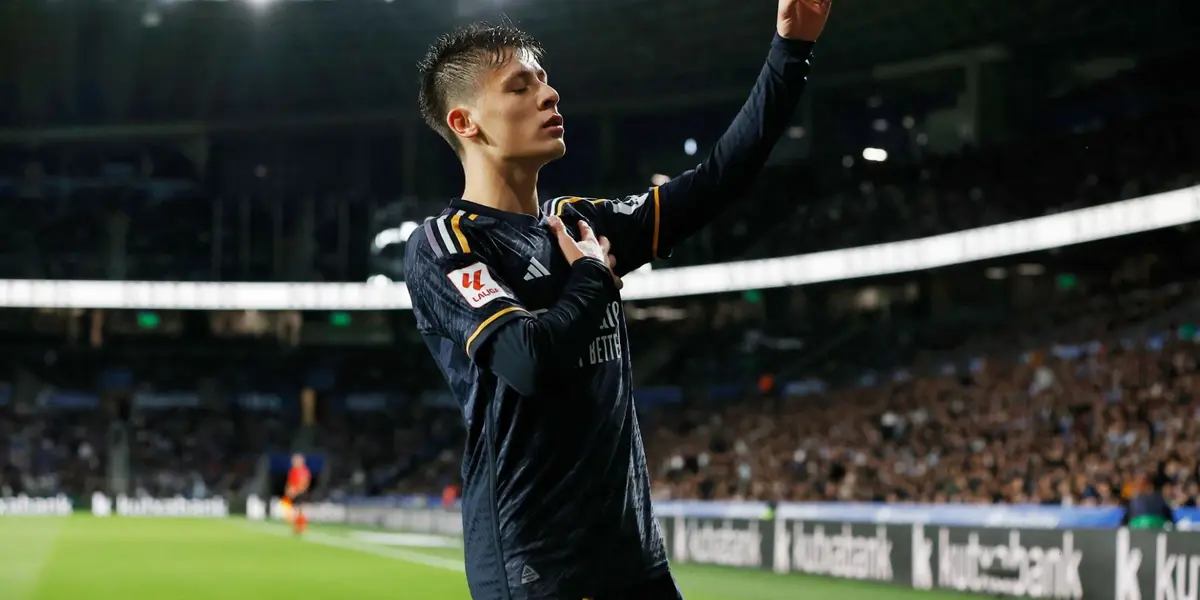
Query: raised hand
{"type": "Point", "coordinates": [802, 19]}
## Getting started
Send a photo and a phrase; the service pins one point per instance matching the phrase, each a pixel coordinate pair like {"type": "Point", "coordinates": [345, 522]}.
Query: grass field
{"type": "Point", "coordinates": [85, 558]}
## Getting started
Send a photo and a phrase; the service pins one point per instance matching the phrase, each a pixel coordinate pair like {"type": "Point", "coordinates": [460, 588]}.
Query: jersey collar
{"type": "Point", "coordinates": [519, 219]}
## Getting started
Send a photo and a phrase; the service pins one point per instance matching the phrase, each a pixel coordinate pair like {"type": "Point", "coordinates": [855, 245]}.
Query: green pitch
{"type": "Point", "coordinates": [87, 558]}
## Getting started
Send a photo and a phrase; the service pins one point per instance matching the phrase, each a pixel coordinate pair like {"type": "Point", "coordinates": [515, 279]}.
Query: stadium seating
{"type": "Point", "coordinates": [735, 389]}
{"type": "Point", "coordinates": [120, 211]}
{"type": "Point", "coordinates": [1084, 393]}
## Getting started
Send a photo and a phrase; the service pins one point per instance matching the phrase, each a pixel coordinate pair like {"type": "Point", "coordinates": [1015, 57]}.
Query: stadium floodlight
{"type": "Point", "coordinates": [259, 4]}
{"type": "Point", "coordinates": [406, 229]}
{"type": "Point", "coordinates": [386, 238]}
{"type": "Point", "coordinates": [394, 235]}
{"type": "Point", "coordinates": [690, 147]}
{"type": "Point", "coordinates": [875, 154]}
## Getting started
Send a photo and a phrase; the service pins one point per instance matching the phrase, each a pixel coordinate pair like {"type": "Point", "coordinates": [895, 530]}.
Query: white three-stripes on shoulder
{"type": "Point", "coordinates": [444, 232]}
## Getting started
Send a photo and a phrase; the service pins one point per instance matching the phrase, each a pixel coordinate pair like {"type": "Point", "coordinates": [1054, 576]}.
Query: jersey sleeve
{"type": "Point", "coordinates": [632, 224]}
{"type": "Point", "coordinates": [644, 227]}
{"type": "Point", "coordinates": [456, 294]}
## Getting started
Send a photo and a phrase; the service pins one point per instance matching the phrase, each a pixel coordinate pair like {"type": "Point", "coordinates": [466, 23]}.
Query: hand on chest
{"type": "Point", "coordinates": [535, 268]}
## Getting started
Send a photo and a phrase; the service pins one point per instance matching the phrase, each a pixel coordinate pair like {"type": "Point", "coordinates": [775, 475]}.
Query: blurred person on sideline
{"type": "Point", "coordinates": [298, 480]}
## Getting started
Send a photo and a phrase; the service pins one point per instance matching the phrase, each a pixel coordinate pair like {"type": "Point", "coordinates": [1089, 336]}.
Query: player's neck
{"type": "Point", "coordinates": [505, 186]}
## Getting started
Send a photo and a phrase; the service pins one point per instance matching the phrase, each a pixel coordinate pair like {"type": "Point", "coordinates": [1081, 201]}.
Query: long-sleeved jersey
{"type": "Point", "coordinates": [556, 494]}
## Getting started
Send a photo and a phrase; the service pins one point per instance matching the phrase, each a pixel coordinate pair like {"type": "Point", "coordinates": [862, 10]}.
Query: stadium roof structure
{"type": "Point", "coordinates": [74, 62]}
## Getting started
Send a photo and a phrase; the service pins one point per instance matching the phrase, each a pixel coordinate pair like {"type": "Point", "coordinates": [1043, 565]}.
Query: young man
{"type": "Point", "coordinates": [519, 303]}
{"type": "Point", "coordinates": [298, 480]}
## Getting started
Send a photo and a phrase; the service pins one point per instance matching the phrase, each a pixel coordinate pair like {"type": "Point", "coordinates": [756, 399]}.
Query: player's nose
{"type": "Point", "coordinates": [549, 98]}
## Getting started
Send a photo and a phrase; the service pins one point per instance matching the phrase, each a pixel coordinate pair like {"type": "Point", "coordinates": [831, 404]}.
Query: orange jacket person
{"type": "Point", "coordinates": [298, 480]}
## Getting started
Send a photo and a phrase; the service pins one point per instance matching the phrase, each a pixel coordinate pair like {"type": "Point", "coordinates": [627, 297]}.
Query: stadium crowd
{"type": "Point", "coordinates": [196, 453]}
{"type": "Point", "coordinates": [1074, 423]}
{"type": "Point", "coordinates": [44, 455]}
{"type": "Point", "coordinates": [1068, 402]}
{"type": "Point", "coordinates": [1054, 429]}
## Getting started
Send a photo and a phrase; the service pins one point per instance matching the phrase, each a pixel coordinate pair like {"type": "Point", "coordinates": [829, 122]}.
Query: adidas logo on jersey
{"type": "Point", "coordinates": [535, 270]}
{"type": "Point", "coordinates": [528, 575]}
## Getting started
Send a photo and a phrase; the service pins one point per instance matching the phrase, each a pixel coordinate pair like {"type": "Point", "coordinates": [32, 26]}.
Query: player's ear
{"type": "Point", "coordinates": [462, 122]}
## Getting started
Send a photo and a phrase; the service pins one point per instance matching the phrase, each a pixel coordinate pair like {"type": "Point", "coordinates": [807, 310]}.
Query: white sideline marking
{"type": "Point", "coordinates": [393, 553]}
{"type": "Point", "coordinates": [407, 540]}
{"type": "Point", "coordinates": [23, 560]}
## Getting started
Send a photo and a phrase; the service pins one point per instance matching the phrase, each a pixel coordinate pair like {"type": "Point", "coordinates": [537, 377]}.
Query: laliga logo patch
{"type": "Point", "coordinates": [476, 284]}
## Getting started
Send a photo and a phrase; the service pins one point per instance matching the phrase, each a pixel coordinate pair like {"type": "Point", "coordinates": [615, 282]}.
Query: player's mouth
{"type": "Point", "coordinates": [554, 125]}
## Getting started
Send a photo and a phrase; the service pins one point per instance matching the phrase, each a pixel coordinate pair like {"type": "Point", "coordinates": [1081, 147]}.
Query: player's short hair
{"type": "Point", "coordinates": [451, 68]}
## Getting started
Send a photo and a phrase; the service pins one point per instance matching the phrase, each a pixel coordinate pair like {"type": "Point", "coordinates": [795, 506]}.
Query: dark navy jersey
{"type": "Point", "coordinates": [556, 498]}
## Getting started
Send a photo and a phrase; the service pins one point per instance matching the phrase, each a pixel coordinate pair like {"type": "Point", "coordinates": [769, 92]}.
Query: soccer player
{"type": "Point", "coordinates": [519, 304]}
{"type": "Point", "coordinates": [298, 480]}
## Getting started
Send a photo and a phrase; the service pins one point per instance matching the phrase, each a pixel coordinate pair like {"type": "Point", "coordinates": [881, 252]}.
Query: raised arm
{"type": "Point", "coordinates": [646, 226]}
{"type": "Point", "coordinates": [697, 197]}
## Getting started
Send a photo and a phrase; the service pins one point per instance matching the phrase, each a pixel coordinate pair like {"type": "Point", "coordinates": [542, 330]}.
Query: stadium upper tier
{"type": "Point", "coordinates": [111, 217]}
{"type": "Point", "coordinates": [873, 202]}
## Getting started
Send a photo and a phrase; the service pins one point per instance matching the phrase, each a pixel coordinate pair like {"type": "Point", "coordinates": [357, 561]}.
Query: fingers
{"type": "Point", "coordinates": [585, 232]}
{"type": "Point", "coordinates": [560, 231]}
{"type": "Point", "coordinates": [612, 264]}
{"type": "Point", "coordinates": [572, 250]}
{"type": "Point", "coordinates": [569, 249]}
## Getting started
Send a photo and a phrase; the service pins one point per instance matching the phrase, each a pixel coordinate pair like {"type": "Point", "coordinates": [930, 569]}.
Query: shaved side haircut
{"type": "Point", "coordinates": [451, 69]}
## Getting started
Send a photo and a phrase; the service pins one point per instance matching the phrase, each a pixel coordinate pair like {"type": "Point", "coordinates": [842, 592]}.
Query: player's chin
{"type": "Point", "coordinates": [547, 151]}
{"type": "Point", "coordinates": [557, 149]}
